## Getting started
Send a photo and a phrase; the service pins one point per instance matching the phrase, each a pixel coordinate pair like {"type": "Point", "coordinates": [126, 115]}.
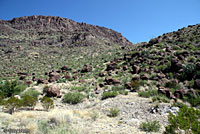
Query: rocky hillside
{"type": "Point", "coordinates": [100, 83]}
{"type": "Point", "coordinates": [37, 44]}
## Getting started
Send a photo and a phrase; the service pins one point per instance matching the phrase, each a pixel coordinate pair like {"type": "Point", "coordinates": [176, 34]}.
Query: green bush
{"type": "Point", "coordinates": [147, 94]}
{"type": "Point", "coordinates": [9, 88]}
{"type": "Point", "coordinates": [47, 127]}
{"type": "Point", "coordinates": [31, 92]}
{"type": "Point", "coordinates": [135, 84]}
{"type": "Point", "coordinates": [123, 92]}
{"type": "Point", "coordinates": [12, 104]}
{"type": "Point", "coordinates": [114, 112]}
{"type": "Point", "coordinates": [78, 88]}
{"type": "Point", "coordinates": [172, 85]}
{"type": "Point", "coordinates": [47, 103]}
{"type": "Point", "coordinates": [187, 119]}
{"type": "Point", "coordinates": [73, 98]}
{"type": "Point", "coordinates": [29, 101]}
{"type": "Point", "coordinates": [109, 94]}
{"type": "Point", "coordinates": [189, 70]}
{"type": "Point", "coordinates": [117, 88]}
{"type": "Point", "coordinates": [150, 126]}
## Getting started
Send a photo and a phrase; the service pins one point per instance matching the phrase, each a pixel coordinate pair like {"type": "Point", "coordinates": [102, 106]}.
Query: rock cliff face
{"type": "Point", "coordinates": [52, 30]}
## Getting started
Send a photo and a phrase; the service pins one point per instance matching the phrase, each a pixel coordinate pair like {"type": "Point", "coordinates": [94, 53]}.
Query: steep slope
{"type": "Point", "coordinates": [37, 44]}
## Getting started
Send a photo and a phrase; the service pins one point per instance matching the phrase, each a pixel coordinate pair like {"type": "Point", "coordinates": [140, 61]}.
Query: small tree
{"type": "Point", "coordinates": [29, 101]}
{"type": "Point", "coordinates": [47, 103]}
{"type": "Point", "coordinates": [12, 104]}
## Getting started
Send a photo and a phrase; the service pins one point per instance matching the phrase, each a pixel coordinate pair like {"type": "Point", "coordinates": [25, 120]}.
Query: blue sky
{"type": "Point", "coordinates": [137, 20]}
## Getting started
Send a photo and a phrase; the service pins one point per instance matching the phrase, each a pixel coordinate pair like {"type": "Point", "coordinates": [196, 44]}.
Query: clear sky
{"type": "Point", "coordinates": [137, 20]}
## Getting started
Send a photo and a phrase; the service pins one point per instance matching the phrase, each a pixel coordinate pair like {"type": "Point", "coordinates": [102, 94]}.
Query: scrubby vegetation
{"type": "Point", "coordinates": [73, 98]}
{"type": "Point", "coordinates": [187, 121]}
{"type": "Point", "coordinates": [150, 126]}
{"type": "Point", "coordinates": [94, 65]}
{"type": "Point", "coordinates": [109, 94]}
{"type": "Point", "coordinates": [114, 112]}
{"type": "Point", "coordinates": [47, 103]}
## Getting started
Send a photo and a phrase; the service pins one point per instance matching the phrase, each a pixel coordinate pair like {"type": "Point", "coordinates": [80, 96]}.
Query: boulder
{"type": "Point", "coordinates": [167, 92]}
{"type": "Point", "coordinates": [42, 81]}
{"type": "Point", "coordinates": [111, 66]}
{"type": "Point", "coordinates": [161, 75]}
{"type": "Point", "coordinates": [128, 85]}
{"type": "Point", "coordinates": [101, 85]}
{"type": "Point", "coordinates": [67, 77]}
{"type": "Point", "coordinates": [53, 76]}
{"type": "Point", "coordinates": [102, 74]}
{"type": "Point", "coordinates": [125, 68]}
{"type": "Point", "coordinates": [197, 84]}
{"type": "Point", "coordinates": [144, 77]}
{"type": "Point", "coordinates": [28, 82]}
{"type": "Point", "coordinates": [175, 65]}
{"type": "Point", "coordinates": [180, 93]}
{"type": "Point", "coordinates": [64, 68]}
{"type": "Point", "coordinates": [86, 68]}
{"type": "Point", "coordinates": [136, 69]}
{"type": "Point", "coordinates": [52, 91]}
{"type": "Point", "coordinates": [136, 77]}
{"type": "Point", "coordinates": [111, 81]}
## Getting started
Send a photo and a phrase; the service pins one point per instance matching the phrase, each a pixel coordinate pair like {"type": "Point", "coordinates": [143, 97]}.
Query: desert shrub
{"type": "Point", "coordinates": [147, 94]}
{"type": "Point", "coordinates": [123, 92]}
{"type": "Point", "coordinates": [109, 94]}
{"type": "Point", "coordinates": [187, 120]}
{"type": "Point", "coordinates": [9, 88]}
{"type": "Point", "coordinates": [78, 88]}
{"type": "Point", "coordinates": [189, 70]}
{"type": "Point", "coordinates": [12, 104]}
{"type": "Point", "coordinates": [162, 68]}
{"type": "Point", "coordinates": [73, 98]}
{"type": "Point", "coordinates": [194, 101]}
{"type": "Point", "coordinates": [94, 116]}
{"type": "Point", "coordinates": [172, 85]}
{"type": "Point", "coordinates": [31, 92]}
{"type": "Point", "coordinates": [160, 98]}
{"type": "Point", "coordinates": [135, 84]}
{"type": "Point", "coordinates": [47, 127]}
{"type": "Point", "coordinates": [114, 112]}
{"type": "Point", "coordinates": [1, 98]}
{"type": "Point", "coordinates": [47, 103]}
{"type": "Point", "coordinates": [29, 101]}
{"type": "Point", "coordinates": [61, 80]}
{"type": "Point", "coordinates": [150, 126]}
{"type": "Point", "coordinates": [117, 88]}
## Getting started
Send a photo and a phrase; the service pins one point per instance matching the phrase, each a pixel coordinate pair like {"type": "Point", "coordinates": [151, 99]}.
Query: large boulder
{"type": "Point", "coordinates": [52, 91]}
